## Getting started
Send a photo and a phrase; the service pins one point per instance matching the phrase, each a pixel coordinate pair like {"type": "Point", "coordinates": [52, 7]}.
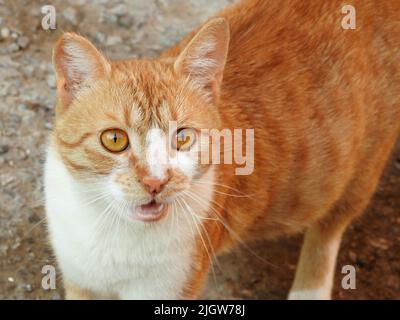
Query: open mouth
{"type": "Point", "coordinates": [151, 211]}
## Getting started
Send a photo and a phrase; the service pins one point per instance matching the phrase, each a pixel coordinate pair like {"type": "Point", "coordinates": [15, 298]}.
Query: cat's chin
{"type": "Point", "coordinates": [149, 212]}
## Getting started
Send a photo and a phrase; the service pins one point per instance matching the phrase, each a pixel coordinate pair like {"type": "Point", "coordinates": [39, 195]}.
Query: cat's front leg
{"type": "Point", "coordinates": [315, 271]}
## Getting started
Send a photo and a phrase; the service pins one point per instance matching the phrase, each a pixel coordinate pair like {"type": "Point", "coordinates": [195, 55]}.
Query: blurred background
{"type": "Point", "coordinates": [128, 29]}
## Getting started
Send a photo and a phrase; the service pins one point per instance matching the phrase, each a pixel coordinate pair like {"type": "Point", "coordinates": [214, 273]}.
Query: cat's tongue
{"type": "Point", "coordinates": [151, 211]}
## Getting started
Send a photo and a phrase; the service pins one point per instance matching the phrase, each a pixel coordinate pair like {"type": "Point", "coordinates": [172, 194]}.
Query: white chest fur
{"type": "Point", "coordinates": [130, 260]}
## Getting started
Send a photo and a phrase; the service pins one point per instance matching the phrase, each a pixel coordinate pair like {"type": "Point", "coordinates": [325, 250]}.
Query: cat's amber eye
{"type": "Point", "coordinates": [114, 140]}
{"type": "Point", "coordinates": [184, 139]}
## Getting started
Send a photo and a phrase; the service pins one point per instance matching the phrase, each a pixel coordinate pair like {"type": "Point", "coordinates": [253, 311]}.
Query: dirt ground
{"type": "Point", "coordinates": [133, 29]}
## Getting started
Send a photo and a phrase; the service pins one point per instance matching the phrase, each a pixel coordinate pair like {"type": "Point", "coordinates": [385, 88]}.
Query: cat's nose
{"type": "Point", "coordinates": [153, 184]}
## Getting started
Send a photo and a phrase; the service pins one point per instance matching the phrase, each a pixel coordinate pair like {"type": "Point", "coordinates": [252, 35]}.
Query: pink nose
{"type": "Point", "coordinates": [154, 185]}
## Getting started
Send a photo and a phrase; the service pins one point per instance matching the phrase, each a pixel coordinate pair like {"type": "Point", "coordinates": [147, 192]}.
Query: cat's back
{"type": "Point", "coordinates": [293, 65]}
{"type": "Point", "coordinates": [282, 51]}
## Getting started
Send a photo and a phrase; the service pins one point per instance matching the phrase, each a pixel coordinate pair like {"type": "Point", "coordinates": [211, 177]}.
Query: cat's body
{"type": "Point", "coordinates": [324, 105]}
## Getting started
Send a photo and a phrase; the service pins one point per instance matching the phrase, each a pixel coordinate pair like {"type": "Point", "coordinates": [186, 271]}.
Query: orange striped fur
{"type": "Point", "coordinates": [323, 102]}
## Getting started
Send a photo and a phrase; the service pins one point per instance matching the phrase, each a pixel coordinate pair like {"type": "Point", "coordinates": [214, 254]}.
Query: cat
{"type": "Point", "coordinates": [134, 214]}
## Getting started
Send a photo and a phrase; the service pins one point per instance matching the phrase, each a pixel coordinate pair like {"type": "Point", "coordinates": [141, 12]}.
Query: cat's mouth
{"type": "Point", "coordinates": [151, 211]}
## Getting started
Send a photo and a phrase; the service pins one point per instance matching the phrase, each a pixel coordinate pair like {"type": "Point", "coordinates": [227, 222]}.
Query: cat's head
{"type": "Point", "coordinates": [130, 130]}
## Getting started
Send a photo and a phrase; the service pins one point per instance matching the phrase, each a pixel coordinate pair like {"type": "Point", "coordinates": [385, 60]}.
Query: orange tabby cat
{"type": "Point", "coordinates": [131, 216]}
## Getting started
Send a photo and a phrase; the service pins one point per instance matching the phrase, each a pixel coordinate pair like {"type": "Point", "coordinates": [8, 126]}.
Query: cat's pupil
{"type": "Point", "coordinates": [115, 137]}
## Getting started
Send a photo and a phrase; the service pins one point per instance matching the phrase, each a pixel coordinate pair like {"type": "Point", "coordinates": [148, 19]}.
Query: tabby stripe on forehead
{"type": "Point", "coordinates": [127, 116]}
{"type": "Point", "coordinates": [112, 117]}
{"type": "Point", "coordinates": [76, 143]}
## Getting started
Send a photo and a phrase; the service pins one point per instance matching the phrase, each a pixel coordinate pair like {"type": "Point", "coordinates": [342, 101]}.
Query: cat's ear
{"type": "Point", "coordinates": [203, 60]}
{"type": "Point", "coordinates": [76, 62]}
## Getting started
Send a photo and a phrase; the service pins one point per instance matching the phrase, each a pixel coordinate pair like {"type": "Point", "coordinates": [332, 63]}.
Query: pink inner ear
{"type": "Point", "coordinates": [203, 59]}
{"type": "Point", "coordinates": [202, 62]}
{"type": "Point", "coordinates": [64, 92]}
{"type": "Point", "coordinates": [205, 68]}
{"type": "Point", "coordinates": [76, 61]}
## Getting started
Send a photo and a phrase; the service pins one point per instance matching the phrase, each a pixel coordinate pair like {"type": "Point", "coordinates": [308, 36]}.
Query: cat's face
{"type": "Point", "coordinates": [129, 132]}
